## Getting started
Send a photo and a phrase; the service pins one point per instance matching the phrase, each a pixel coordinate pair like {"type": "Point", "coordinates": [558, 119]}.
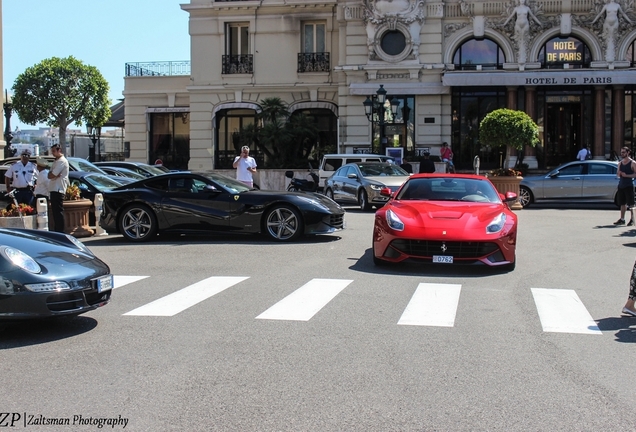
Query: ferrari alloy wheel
{"type": "Point", "coordinates": [138, 223]}
{"type": "Point", "coordinates": [525, 196]}
{"type": "Point", "coordinates": [283, 224]}
{"type": "Point", "coordinates": [363, 200]}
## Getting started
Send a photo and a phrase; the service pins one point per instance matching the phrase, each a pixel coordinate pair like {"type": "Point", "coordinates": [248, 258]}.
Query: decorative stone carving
{"type": "Point", "coordinates": [524, 30]}
{"type": "Point", "coordinates": [612, 27]}
{"type": "Point", "coordinates": [405, 16]}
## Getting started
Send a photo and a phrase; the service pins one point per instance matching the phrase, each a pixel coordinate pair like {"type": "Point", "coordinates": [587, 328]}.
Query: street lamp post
{"type": "Point", "coordinates": [8, 136]}
{"type": "Point", "coordinates": [374, 107]}
{"type": "Point", "coordinates": [94, 133]}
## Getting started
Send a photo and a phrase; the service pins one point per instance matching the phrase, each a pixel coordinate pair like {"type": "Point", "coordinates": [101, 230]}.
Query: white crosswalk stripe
{"type": "Point", "coordinates": [561, 311]}
{"type": "Point", "coordinates": [120, 281]}
{"type": "Point", "coordinates": [432, 305]}
{"type": "Point", "coordinates": [306, 301]}
{"type": "Point", "coordinates": [187, 297]}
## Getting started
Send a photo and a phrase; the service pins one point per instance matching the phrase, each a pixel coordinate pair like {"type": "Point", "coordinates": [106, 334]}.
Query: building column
{"type": "Point", "coordinates": [531, 109]}
{"type": "Point", "coordinates": [511, 103]}
{"type": "Point", "coordinates": [618, 118]}
{"type": "Point", "coordinates": [599, 122]}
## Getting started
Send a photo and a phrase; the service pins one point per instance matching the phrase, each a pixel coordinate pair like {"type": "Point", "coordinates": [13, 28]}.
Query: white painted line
{"type": "Point", "coordinates": [432, 305]}
{"type": "Point", "coordinates": [178, 301]}
{"type": "Point", "coordinates": [306, 301]}
{"type": "Point", "coordinates": [120, 281]}
{"type": "Point", "coordinates": [561, 311]}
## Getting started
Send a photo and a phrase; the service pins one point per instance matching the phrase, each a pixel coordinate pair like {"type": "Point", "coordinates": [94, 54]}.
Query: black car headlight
{"type": "Point", "coordinates": [20, 259]}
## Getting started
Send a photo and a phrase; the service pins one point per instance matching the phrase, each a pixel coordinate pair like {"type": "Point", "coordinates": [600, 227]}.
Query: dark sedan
{"type": "Point", "coordinates": [139, 167]}
{"type": "Point", "coordinates": [579, 181]}
{"type": "Point", "coordinates": [45, 274]}
{"type": "Point", "coordinates": [184, 202]}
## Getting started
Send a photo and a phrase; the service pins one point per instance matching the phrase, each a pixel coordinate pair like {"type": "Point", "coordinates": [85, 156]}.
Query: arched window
{"type": "Point", "coordinates": [559, 51]}
{"type": "Point", "coordinates": [484, 52]}
{"type": "Point", "coordinates": [631, 54]}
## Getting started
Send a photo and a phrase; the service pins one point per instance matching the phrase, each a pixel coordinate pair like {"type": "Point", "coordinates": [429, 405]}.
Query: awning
{"type": "Point", "coordinates": [235, 105]}
{"type": "Point", "coordinates": [309, 105]}
{"type": "Point", "coordinates": [565, 77]}
{"type": "Point", "coordinates": [117, 116]}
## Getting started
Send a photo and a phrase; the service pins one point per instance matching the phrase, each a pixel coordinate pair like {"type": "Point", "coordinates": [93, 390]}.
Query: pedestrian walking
{"type": "Point", "coordinates": [625, 195]}
{"type": "Point", "coordinates": [628, 309]}
{"type": "Point", "coordinates": [245, 166]}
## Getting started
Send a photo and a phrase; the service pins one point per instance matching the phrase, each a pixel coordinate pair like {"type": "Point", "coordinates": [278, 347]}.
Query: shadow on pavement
{"type": "Point", "coordinates": [18, 334]}
{"type": "Point", "coordinates": [623, 327]}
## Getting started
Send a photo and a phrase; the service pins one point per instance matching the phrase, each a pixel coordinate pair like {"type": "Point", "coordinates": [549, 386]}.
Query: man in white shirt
{"type": "Point", "coordinates": [21, 177]}
{"type": "Point", "coordinates": [58, 182]}
{"type": "Point", "coordinates": [245, 166]}
{"type": "Point", "coordinates": [582, 155]}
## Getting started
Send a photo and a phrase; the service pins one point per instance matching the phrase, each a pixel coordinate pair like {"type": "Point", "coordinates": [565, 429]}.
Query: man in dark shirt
{"type": "Point", "coordinates": [427, 165]}
{"type": "Point", "coordinates": [406, 166]}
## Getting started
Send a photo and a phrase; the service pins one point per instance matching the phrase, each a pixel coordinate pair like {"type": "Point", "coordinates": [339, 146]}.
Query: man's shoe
{"type": "Point", "coordinates": [631, 222]}
{"type": "Point", "coordinates": [620, 222]}
{"type": "Point", "coordinates": [629, 312]}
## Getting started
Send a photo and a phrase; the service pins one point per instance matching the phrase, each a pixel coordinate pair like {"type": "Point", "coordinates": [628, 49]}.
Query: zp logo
{"type": "Point", "coordinates": [9, 419]}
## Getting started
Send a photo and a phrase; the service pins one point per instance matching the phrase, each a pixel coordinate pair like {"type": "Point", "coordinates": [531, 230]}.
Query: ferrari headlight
{"type": "Point", "coordinates": [497, 224]}
{"type": "Point", "coordinates": [315, 203]}
{"type": "Point", "coordinates": [20, 259]}
{"type": "Point", "coordinates": [394, 221]}
{"type": "Point", "coordinates": [376, 187]}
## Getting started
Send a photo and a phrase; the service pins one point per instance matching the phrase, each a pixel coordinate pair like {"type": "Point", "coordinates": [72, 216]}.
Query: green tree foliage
{"type": "Point", "coordinates": [286, 142]}
{"type": "Point", "coordinates": [508, 128]}
{"type": "Point", "coordinates": [59, 92]}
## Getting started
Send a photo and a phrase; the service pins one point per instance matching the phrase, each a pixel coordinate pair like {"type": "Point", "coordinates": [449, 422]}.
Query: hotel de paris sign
{"type": "Point", "coordinates": [539, 78]}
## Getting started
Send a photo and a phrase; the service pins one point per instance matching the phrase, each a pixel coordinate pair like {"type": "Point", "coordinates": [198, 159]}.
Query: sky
{"type": "Point", "coordinates": [106, 34]}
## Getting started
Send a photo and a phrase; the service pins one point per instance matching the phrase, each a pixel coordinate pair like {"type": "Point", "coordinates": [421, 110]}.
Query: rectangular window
{"type": "Point", "coordinates": [314, 38]}
{"type": "Point", "coordinates": [238, 39]}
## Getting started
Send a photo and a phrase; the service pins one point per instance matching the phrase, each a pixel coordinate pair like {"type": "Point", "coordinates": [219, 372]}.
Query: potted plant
{"type": "Point", "coordinates": [21, 216]}
{"type": "Point", "coordinates": [76, 212]}
{"type": "Point", "coordinates": [514, 130]}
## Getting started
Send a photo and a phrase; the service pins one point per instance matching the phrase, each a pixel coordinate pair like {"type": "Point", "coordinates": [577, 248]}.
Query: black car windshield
{"type": "Point", "coordinates": [381, 169]}
{"type": "Point", "coordinates": [448, 189]}
{"type": "Point", "coordinates": [228, 183]}
{"type": "Point", "coordinates": [102, 183]}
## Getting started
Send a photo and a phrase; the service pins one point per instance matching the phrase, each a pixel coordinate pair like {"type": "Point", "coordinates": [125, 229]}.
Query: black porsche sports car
{"type": "Point", "coordinates": [183, 202]}
{"type": "Point", "coordinates": [44, 274]}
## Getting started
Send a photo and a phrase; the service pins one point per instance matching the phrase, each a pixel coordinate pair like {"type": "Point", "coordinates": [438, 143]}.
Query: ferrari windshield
{"type": "Point", "coordinates": [232, 185]}
{"type": "Point", "coordinates": [448, 189]}
{"type": "Point", "coordinates": [101, 182]}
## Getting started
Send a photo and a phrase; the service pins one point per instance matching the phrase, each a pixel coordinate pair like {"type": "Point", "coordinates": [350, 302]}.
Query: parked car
{"type": "Point", "coordinates": [75, 163]}
{"type": "Point", "coordinates": [361, 183]}
{"type": "Point", "coordinates": [90, 183]}
{"type": "Point", "coordinates": [185, 202]}
{"type": "Point", "coordinates": [446, 219]}
{"type": "Point", "coordinates": [139, 167]}
{"type": "Point", "coordinates": [45, 273]}
{"type": "Point", "coordinates": [578, 181]}
{"type": "Point", "coordinates": [331, 162]}
{"type": "Point", "coordinates": [122, 172]}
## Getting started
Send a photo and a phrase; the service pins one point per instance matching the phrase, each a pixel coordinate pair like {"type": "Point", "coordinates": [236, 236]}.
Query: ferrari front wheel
{"type": "Point", "coordinates": [138, 223]}
{"type": "Point", "coordinates": [283, 223]}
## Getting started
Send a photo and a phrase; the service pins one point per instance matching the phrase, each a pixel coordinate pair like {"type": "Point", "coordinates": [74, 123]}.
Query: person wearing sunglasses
{"type": "Point", "coordinates": [21, 177]}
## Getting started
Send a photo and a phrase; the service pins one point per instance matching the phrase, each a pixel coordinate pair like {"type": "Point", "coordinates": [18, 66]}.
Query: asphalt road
{"type": "Point", "coordinates": [214, 366]}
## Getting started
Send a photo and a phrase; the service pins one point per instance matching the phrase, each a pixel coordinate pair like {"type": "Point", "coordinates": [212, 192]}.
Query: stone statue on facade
{"type": "Point", "coordinates": [391, 14]}
{"type": "Point", "coordinates": [522, 28]}
{"type": "Point", "coordinates": [610, 27]}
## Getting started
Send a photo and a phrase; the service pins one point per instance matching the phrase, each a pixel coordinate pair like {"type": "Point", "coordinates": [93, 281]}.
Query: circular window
{"type": "Point", "coordinates": [393, 42]}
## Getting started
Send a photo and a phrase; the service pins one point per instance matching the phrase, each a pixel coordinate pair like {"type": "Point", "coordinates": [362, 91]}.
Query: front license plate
{"type": "Point", "coordinates": [105, 283]}
{"type": "Point", "coordinates": [443, 259]}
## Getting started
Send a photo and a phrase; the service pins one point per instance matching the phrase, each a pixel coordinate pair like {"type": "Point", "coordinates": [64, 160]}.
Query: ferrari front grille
{"type": "Point", "coordinates": [428, 248]}
{"type": "Point", "coordinates": [336, 221]}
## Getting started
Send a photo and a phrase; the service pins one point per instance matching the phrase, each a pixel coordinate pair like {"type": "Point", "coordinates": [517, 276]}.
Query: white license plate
{"type": "Point", "coordinates": [443, 259]}
{"type": "Point", "coordinates": [105, 283]}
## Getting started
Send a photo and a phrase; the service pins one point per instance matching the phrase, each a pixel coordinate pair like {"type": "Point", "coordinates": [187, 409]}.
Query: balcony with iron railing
{"type": "Point", "coordinates": [166, 68]}
{"type": "Point", "coordinates": [313, 62]}
{"type": "Point", "coordinates": [238, 64]}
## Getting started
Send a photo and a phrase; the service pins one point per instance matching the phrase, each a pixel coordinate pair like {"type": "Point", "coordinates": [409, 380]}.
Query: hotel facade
{"type": "Point", "coordinates": [569, 64]}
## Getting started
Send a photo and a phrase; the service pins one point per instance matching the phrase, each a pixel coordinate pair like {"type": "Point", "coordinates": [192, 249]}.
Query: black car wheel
{"type": "Point", "coordinates": [138, 223]}
{"type": "Point", "coordinates": [525, 196]}
{"type": "Point", "coordinates": [363, 200]}
{"type": "Point", "coordinates": [283, 223]}
{"type": "Point", "coordinates": [329, 194]}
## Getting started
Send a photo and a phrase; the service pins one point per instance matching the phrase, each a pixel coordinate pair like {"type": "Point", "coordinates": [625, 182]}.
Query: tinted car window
{"type": "Point", "coordinates": [575, 169]}
{"type": "Point", "coordinates": [341, 172]}
{"type": "Point", "coordinates": [596, 168]}
{"type": "Point", "coordinates": [161, 184]}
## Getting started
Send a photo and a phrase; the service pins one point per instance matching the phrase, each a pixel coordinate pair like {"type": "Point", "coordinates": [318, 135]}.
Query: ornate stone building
{"type": "Point", "coordinates": [569, 64]}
